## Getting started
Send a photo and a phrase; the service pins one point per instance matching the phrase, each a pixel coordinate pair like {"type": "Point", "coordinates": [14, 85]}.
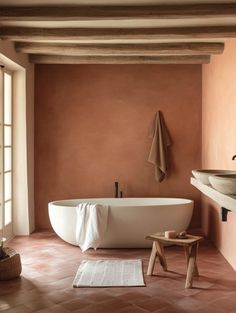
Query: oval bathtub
{"type": "Point", "coordinates": [130, 220]}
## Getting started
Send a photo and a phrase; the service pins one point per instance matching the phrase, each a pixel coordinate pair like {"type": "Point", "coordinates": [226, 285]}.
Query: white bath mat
{"type": "Point", "coordinates": [109, 273]}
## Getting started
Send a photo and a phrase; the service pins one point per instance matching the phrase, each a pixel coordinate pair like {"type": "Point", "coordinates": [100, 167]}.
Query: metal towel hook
{"type": "Point", "coordinates": [234, 157]}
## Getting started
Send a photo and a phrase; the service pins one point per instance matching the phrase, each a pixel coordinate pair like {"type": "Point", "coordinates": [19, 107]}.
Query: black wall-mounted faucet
{"type": "Point", "coordinates": [116, 189]}
{"type": "Point", "coordinates": [116, 193]}
{"type": "Point", "coordinates": [234, 157]}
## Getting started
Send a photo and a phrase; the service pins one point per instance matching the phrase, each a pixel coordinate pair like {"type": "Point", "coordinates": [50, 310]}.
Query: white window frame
{"type": "Point", "coordinates": [6, 225]}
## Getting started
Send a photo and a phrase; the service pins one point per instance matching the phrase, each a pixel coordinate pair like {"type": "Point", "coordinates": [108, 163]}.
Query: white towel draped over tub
{"type": "Point", "coordinates": [91, 224]}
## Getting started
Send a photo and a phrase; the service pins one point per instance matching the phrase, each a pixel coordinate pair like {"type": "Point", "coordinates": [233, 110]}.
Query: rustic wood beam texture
{"type": "Point", "coordinates": [117, 12]}
{"type": "Point", "coordinates": [25, 33]}
{"type": "Point", "coordinates": [174, 59]}
{"type": "Point", "coordinates": [121, 49]}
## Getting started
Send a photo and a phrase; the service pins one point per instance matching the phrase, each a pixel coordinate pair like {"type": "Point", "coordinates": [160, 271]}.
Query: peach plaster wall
{"type": "Point", "coordinates": [92, 128]}
{"type": "Point", "coordinates": [219, 141]}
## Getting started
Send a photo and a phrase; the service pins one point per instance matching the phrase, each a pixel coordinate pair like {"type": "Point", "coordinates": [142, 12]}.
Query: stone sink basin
{"type": "Point", "coordinates": [224, 183]}
{"type": "Point", "coordinates": [203, 175]}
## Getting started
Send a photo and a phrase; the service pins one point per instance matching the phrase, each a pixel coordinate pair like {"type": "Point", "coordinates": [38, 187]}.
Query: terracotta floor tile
{"type": "Point", "coordinates": [153, 304]}
{"type": "Point", "coordinates": [114, 305]}
{"type": "Point", "coordinates": [133, 309]}
{"type": "Point", "coordinates": [227, 302]}
{"type": "Point", "coordinates": [54, 309]}
{"type": "Point", "coordinates": [134, 297]}
{"type": "Point", "coordinates": [4, 305]}
{"type": "Point", "coordinates": [49, 266]}
{"type": "Point", "coordinates": [40, 303]}
{"type": "Point", "coordinates": [98, 297]}
{"type": "Point", "coordinates": [59, 297]}
{"type": "Point", "coordinates": [95, 308]}
{"type": "Point", "coordinates": [171, 309]}
{"type": "Point", "coordinates": [75, 304]}
{"type": "Point", "coordinates": [18, 309]}
{"type": "Point", "coordinates": [189, 304]}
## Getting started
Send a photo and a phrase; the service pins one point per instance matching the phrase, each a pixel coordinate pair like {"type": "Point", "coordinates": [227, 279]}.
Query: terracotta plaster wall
{"type": "Point", "coordinates": [219, 141]}
{"type": "Point", "coordinates": [92, 127]}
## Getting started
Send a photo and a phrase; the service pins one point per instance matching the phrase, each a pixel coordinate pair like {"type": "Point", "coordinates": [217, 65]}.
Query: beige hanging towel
{"type": "Point", "coordinates": [160, 142]}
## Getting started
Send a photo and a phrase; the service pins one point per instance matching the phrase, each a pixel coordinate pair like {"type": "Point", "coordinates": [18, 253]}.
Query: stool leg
{"type": "Point", "coordinates": [161, 256]}
{"type": "Point", "coordinates": [196, 272]}
{"type": "Point", "coordinates": [152, 259]}
{"type": "Point", "coordinates": [191, 266]}
{"type": "Point", "coordinates": [187, 253]}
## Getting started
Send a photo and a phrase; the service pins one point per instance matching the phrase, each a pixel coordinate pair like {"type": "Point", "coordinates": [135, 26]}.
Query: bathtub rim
{"type": "Point", "coordinates": [181, 201]}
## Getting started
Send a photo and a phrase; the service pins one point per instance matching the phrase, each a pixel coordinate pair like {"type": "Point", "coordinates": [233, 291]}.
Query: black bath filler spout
{"type": "Point", "coordinates": [116, 189]}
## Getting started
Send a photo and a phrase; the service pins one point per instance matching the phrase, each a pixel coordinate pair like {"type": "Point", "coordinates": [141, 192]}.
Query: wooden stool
{"type": "Point", "coordinates": [190, 245]}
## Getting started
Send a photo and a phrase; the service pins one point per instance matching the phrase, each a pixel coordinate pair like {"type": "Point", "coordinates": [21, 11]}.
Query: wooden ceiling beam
{"type": "Point", "coordinates": [53, 13]}
{"type": "Point", "coordinates": [30, 34]}
{"type": "Point", "coordinates": [186, 48]}
{"type": "Point", "coordinates": [170, 59]}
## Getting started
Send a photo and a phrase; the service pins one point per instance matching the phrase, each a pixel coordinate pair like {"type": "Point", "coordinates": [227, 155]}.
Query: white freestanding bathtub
{"type": "Point", "coordinates": [130, 220]}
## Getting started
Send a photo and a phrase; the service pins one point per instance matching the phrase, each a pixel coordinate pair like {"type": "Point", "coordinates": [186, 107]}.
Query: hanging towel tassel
{"type": "Point", "coordinates": [160, 142]}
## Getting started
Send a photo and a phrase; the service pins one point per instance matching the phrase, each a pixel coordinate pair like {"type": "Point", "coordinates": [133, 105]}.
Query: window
{"type": "Point", "coordinates": [6, 152]}
{"type": "Point", "coordinates": [7, 148]}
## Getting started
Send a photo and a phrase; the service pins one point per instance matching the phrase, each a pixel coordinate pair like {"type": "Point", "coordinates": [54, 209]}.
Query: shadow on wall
{"type": "Point", "coordinates": [214, 220]}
